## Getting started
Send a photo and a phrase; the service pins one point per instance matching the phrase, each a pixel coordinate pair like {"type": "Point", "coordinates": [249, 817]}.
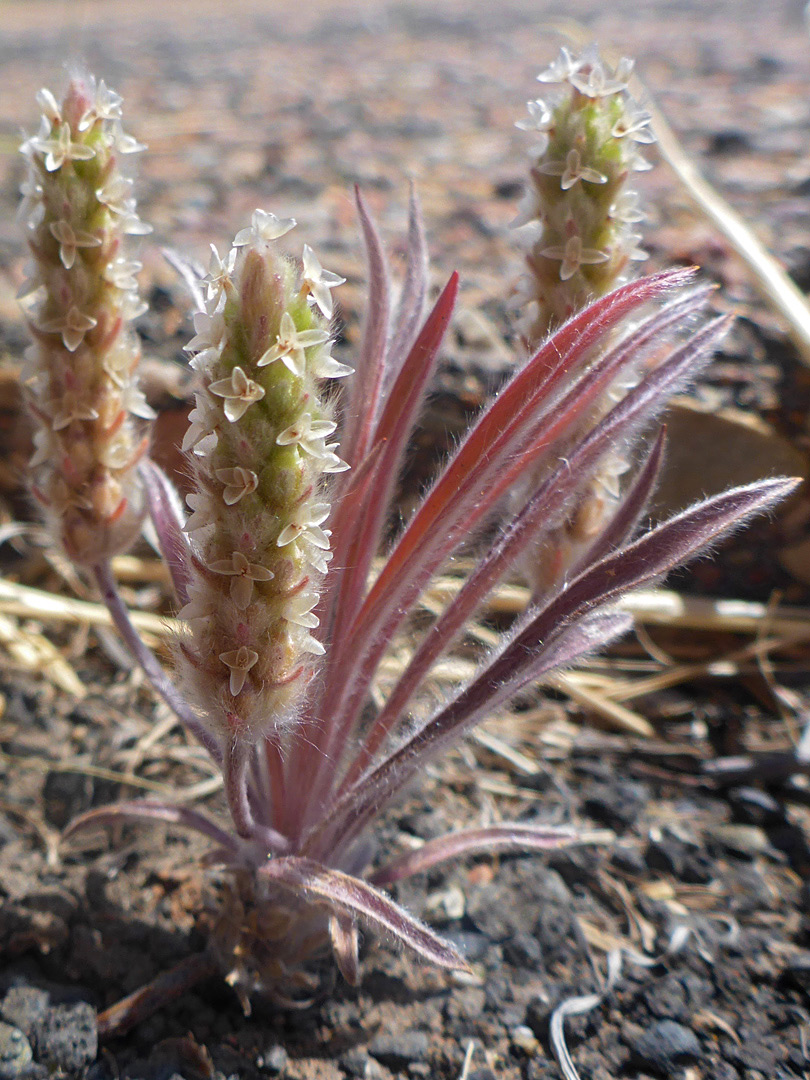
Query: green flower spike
{"type": "Point", "coordinates": [579, 203]}
{"type": "Point", "coordinates": [582, 215]}
{"type": "Point", "coordinates": [259, 449]}
{"type": "Point", "coordinates": [80, 300]}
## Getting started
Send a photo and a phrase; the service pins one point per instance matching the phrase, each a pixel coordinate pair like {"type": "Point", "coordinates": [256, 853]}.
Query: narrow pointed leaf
{"type": "Point", "coordinates": [510, 836]}
{"type": "Point", "coordinates": [166, 513]}
{"type": "Point", "coordinates": [144, 810]}
{"type": "Point", "coordinates": [345, 946]}
{"type": "Point", "coordinates": [621, 526]}
{"type": "Point", "coordinates": [505, 442]}
{"type": "Point", "coordinates": [365, 390]}
{"type": "Point", "coordinates": [498, 681]}
{"type": "Point", "coordinates": [412, 302]}
{"type": "Point", "coordinates": [355, 898]}
{"type": "Point", "coordinates": [543, 512]}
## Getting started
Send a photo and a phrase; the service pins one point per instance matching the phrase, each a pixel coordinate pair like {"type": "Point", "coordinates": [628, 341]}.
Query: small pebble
{"type": "Point", "coordinates": [398, 1051]}
{"type": "Point", "coordinates": [24, 1007]}
{"type": "Point", "coordinates": [15, 1052]}
{"type": "Point", "coordinates": [273, 1061]}
{"type": "Point", "coordinates": [667, 1047]}
{"type": "Point", "coordinates": [67, 1037]}
{"type": "Point", "coordinates": [523, 1038]}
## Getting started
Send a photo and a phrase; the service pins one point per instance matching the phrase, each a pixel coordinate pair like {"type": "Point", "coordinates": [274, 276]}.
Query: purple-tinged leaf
{"type": "Point", "coordinates": [411, 309]}
{"type": "Point", "coordinates": [166, 513]}
{"type": "Point", "coordinates": [355, 898]}
{"type": "Point", "coordinates": [499, 680]}
{"type": "Point", "coordinates": [145, 810]}
{"type": "Point", "coordinates": [366, 388]}
{"type": "Point", "coordinates": [623, 524]}
{"type": "Point", "coordinates": [661, 549]}
{"type": "Point", "coordinates": [151, 666]}
{"type": "Point", "coordinates": [345, 946]}
{"type": "Point", "coordinates": [506, 441]}
{"type": "Point", "coordinates": [543, 511]}
{"type": "Point", "coordinates": [398, 418]}
{"type": "Point", "coordinates": [508, 836]}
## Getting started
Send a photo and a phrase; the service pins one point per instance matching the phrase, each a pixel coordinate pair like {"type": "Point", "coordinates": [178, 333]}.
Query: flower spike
{"type": "Point", "coordinates": [80, 302]}
{"type": "Point", "coordinates": [258, 451]}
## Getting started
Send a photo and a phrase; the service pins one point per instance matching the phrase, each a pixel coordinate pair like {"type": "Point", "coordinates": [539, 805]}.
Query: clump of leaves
{"type": "Point", "coordinates": [288, 617]}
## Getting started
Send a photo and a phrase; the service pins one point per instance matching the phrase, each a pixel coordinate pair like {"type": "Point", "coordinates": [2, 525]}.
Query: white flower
{"type": "Point", "coordinates": [125, 144]}
{"type": "Point", "coordinates": [308, 435]}
{"type": "Point", "coordinates": [238, 483]}
{"type": "Point", "coordinates": [201, 514]}
{"type": "Point", "coordinates": [298, 609]}
{"type": "Point", "coordinates": [219, 276]}
{"type": "Point", "coordinates": [594, 81]}
{"type": "Point", "coordinates": [240, 661]}
{"type": "Point", "coordinates": [121, 273]}
{"type": "Point", "coordinates": [242, 574]}
{"type": "Point", "coordinates": [31, 209]}
{"type": "Point", "coordinates": [330, 462]}
{"type": "Point", "coordinates": [115, 194]}
{"type": "Point", "coordinates": [73, 326]}
{"type": "Point", "coordinates": [239, 393]}
{"type": "Point", "coordinates": [561, 69]}
{"type": "Point", "coordinates": [635, 125]}
{"type": "Point", "coordinates": [70, 240]}
{"type": "Point", "coordinates": [107, 106]}
{"type": "Point", "coordinates": [317, 282]}
{"type": "Point", "coordinates": [573, 255]}
{"type": "Point", "coordinates": [68, 408]}
{"type": "Point", "coordinates": [307, 526]}
{"type": "Point", "coordinates": [201, 426]}
{"type": "Point", "coordinates": [291, 344]}
{"type": "Point", "coordinates": [572, 171]}
{"type": "Point", "coordinates": [134, 401]}
{"type": "Point", "coordinates": [60, 149]}
{"type": "Point", "coordinates": [324, 366]}
{"type": "Point", "coordinates": [263, 226]}
{"type": "Point", "coordinates": [49, 106]}
{"type": "Point", "coordinates": [539, 118]}
{"type": "Point", "coordinates": [626, 209]}
{"type": "Point", "coordinates": [209, 339]}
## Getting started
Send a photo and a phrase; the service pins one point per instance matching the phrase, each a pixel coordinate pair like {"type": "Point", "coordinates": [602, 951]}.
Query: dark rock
{"type": "Point", "coordinates": [24, 1006]}
{"type": "Point", "coordinates": [730, 141]}
{"type": "Point", "coordinates": [666, 998]}
{"type": "Point", "coordinates": [471, 945]}
{"type": "Point", "coordinates": [509, 189]}
{"type": "Point", "coordinates": [674, 856]}
{"type": "Point", "coordinates": [797, 971]}
{"type": "Point", "coordinates": [616, 804]}
{"type": "Point", "coordinates": [522, 950]}
{"type": "Point", "coordinates": [66, 795]}
{"type": "Point", "coordinates": [481, 1074]}
{"type": "Point", "coordinates": [398, 1051]}
{"type": "Point", "coordinates": [627, 859]}
{"type": "Point", "coordinates": [752, 806]}
{"type": "Point", "coordinates": [667, 1047]}
{"type": "Point", "coordinates": [15, 1052]}
{"type": "Point", "coordinates": [273, 1061]}
{"type": "Point", "coordinates": [67, 1037]}
{"type": "Point", "coordinates": [354, 1062]}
